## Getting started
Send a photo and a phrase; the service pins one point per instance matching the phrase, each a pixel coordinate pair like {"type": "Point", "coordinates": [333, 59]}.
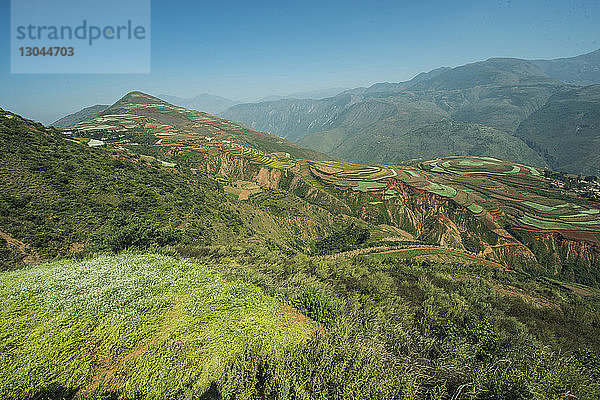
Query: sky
{"type": "Point", "coordinates": [245, 50]}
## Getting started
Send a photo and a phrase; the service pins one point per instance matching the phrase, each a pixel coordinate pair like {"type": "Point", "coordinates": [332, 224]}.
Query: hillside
{"type": "Point", "coordinates": [80, 116]}
{"type": "Point", "coordinates": [566, 130]}
{"type": "Point", "coordinates": [149, 120]}
{"type": "Point", "coordinates": [60, 197]}
{"type": "Point", "coordinates": [246, 274]}
{"type": "Point", "coordinates": [384, 120]}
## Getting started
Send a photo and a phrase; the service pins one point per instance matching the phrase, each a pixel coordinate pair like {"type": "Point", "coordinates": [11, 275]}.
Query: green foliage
{"type": "Point", "coordinates": [59, 197]}
{"type": "Point", "coordinates": [141, 325]}
{"type": "Point", "coordinates": [390, 329]}
{"type": "Point", "coordinates": [132, 232]}
{"type": "Point", "coordinates": [344, 239]}
{"type": "Point", "coordinates": [318, 305]}
{"type": "Point", "coordinates": [437, 330]}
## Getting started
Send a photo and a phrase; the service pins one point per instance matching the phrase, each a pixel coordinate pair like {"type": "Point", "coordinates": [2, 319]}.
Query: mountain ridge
{"type": "Point", "coordinates": [499, 93]}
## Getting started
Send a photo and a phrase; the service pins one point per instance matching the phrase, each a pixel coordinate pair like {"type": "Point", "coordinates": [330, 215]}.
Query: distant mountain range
{"type": "Point", "coordinates": [203, 102]}
{"type": "Point", "coordinates": [313, 94]}
{"type": "Point", "coordinates": [437, 114]}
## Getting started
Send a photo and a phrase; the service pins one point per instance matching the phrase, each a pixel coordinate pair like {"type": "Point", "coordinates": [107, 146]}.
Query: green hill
{"type": "Point", "coordinates": [151, 326]}
{"type": "Point", "coordinates": [60, 197]}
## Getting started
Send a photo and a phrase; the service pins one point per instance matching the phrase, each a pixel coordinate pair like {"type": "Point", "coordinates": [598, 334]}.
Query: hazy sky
{"type": "Point", "coordinates": [245, 50]}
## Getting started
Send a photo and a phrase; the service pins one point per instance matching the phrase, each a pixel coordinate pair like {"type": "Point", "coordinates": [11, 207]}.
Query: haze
{"type": "Point", "coordinates": [250, 50]}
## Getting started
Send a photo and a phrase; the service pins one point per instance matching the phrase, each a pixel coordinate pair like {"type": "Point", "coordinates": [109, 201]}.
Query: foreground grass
{"type": "Point", "coordinates": [157, 327]}
{"type": "Point", "coordinates": [136, 325]}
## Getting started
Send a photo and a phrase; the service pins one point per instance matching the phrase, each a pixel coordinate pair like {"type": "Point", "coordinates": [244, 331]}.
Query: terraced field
{"type": "Point", "coordinates": [176, 130]}
{"type": "Point", "coordinates": [496, 191]}
{"type": "Point", "coordinates": [517, 193]}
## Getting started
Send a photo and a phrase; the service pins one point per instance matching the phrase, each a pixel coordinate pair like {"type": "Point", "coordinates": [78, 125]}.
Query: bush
{"type": "Point", "coordinates": [318, 305]}
{"type": "Point", "coordinates": [126, 233]}
{"type": "Point", "coordinates": [344, 239]}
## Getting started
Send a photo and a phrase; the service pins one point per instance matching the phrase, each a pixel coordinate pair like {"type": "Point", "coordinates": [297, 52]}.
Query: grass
{"type": "Point", "coordinates": [411, 253]}
{"type": "Point", "coordinates": [134, 324]}
{"type": "Point", "coordinates": [366, 186]}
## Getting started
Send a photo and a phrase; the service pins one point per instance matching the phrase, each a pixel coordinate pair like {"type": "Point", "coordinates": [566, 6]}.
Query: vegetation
{"type": "Point", "coordinates": [421, 281]}
{"type": "Point", "coordinates": [61, 198]}
{"type": "Point", "coordinates": [344, 239]}
{"type": "Point", "coordinates": [152, 326]}
{"type": "Point", "coordinates": [139, 324]}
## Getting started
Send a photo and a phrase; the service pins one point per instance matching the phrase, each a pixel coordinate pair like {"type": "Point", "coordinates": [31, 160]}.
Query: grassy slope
{"type": "Point", "coordinates": [437, 326]}
{"type": "Point", "coordinates": [149, 325]}
{"type": "Point", "coordinates": [57, 192]}
{"type": "Point", "coordinates": [60, 197]}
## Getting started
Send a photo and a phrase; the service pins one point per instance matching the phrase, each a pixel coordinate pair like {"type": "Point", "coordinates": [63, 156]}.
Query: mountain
{"type": "Point", "coordinates": [158, 252]}
{"type": "Point", "coordinates": [203, 102]}
{"type": "Point", "coordinates": [384, 123]}
{"type": "Point", "coordinates": [80, 116]}
{"type": "Point", "coordinates": [148, 120]}
{"type": "Point", "coordinates": [313, 94]}
{"type": "Point", "coordinates": [581, 70]}
{"type": "Point", "coordinates": [566, 130]}
{"type": "Point", "coordinates": [383, 120]}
